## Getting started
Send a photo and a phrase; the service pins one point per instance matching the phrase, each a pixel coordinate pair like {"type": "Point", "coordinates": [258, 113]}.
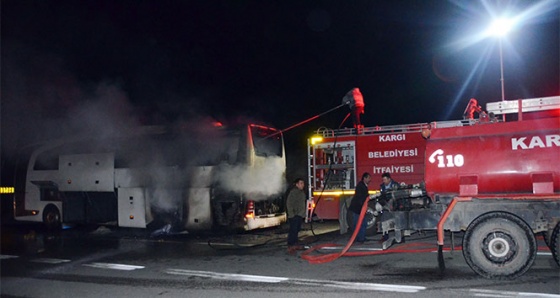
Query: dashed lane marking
{"type": "Point", "coordinates": [507, 294]}
{"type": "Point", "coordinates": [362, 248]}
{"type": "Point", "coordinates": [114, 266]}
{"type": "Point", "coordinates": [50, 261]}
{"type": "Point", "coordinates": [3, 257]}
{"type": "Point", "coordinates": [309, 282]}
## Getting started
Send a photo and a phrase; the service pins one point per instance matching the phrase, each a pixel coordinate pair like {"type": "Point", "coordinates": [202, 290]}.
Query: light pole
{"type": "Point", "coordinates": [500, 28]}
{"type": "Point", "coordinates": [502, 70]}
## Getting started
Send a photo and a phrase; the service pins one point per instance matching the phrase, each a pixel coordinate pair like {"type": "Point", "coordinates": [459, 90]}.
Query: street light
{"type": "Point", "coordinates": [500, 28]}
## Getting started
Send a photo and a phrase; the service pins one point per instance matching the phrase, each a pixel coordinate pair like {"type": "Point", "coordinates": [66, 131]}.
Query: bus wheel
{"type": "Point", "coordinates": [555, 244]}
{"type": "Point", "coordinates": [51, 217]}
{"type": "Point", "coordinates": [499, 245]}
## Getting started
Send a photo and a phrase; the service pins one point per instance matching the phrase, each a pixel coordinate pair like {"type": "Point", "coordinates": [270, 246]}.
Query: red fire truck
{"type": "Point", "coordinates": [497, 179]}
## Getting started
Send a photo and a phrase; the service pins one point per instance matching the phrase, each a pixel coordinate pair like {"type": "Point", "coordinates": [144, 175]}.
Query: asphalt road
{"type": "Point", "coordinates": [101, 262]}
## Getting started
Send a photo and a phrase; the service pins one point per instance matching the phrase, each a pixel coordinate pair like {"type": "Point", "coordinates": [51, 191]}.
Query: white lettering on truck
{"type": "Point", "coordinates": [446, 161]}
{"type": "Point", "coordinates": [393, 153]}
{"type": "Point", "coordinates": [535, 142]}
{"type": "Point", "coordinates": [394, 169]}
{"type": "Point", "coordinates": [392, 138]}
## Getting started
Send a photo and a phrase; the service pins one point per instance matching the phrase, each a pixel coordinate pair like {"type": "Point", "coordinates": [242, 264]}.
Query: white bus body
{"type": "Point", "coordinates": [195, 180]}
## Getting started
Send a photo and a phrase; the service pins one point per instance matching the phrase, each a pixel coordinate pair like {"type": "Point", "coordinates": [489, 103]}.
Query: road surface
{"type": "Point", "coordinates": [102, 262]}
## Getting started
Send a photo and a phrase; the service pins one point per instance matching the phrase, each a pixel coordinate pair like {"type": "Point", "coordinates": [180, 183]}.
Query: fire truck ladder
{"type": "Point", "coordinates": [521, 106]}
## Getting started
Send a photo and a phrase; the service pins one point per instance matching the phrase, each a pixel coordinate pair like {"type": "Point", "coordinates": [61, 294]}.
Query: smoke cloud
{"type": "Point", "coordinates": [42, 100]}
{"type": "Point", "coordinates": [264, 179]}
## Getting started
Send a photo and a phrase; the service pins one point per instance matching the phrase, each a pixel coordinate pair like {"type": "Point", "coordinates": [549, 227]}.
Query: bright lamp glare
{"type": "Point", "coordinates": [500, 27]}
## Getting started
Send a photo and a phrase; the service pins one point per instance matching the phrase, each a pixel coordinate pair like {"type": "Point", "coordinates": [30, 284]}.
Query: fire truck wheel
{"type": "Point", "coordinates": [555, 244]}
{"type": "Point", "coordinates": [51, 217]}
{"type": "Point", "coordinates": [371, 229]}
{"type": "Point", "coordinates": [499, 245]}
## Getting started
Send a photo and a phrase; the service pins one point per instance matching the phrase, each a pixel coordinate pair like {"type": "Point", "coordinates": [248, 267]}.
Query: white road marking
{"type": "Point", "coordinates": [3, 257]}
{"type": "Point", "coordinates": [493, 293]}
{"type": "Point", "coordinates": [309, 282]}
{"type": "Point", "coordinates": [50, 261]}
{"type": "Point", "coordinates": [227, 276]}
{"type": "Point", "coordinates": [114, 266]}
{"type": "Point", "coordinates": [374, 286]}
{"type": "Point", "coordinates": [226, 244]}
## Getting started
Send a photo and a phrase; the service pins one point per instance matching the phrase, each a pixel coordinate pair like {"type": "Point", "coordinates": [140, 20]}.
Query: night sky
{"type": "Point", "coordinates": [277, 62]}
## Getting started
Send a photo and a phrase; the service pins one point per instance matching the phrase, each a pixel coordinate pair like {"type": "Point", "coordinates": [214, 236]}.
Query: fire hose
{"type": "Point", "coordinates": [405, 248]}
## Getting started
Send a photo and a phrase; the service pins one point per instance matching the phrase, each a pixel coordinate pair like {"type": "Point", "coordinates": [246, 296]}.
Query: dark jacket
{"type": "Point", "coordinates": [359, 197]}
{"type": "Point", "coordinates": [295, 203]}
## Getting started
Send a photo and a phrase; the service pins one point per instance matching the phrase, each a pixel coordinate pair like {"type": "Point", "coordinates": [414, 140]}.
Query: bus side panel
{"type": "Point", "coordinates": [198, 200]}
{"type": "Point", "coordinates": [87, 172]}
{"type": "Point", "coordinates": [133, 210]}
{"type": "Point", "coordinates": [199, 213]}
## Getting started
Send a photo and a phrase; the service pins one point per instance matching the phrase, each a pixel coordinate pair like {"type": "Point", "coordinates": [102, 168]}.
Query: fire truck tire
{"type": "Point", "coordinates": [499, 245]}
{"type": "Point", "coordinates": [51, 217]}
{"type": "Point", "coordinates": [371, 229]}
{"type": "Point", "coordinates": [547, 236]}
{"type": "Point", "coordinates": [555, 244]}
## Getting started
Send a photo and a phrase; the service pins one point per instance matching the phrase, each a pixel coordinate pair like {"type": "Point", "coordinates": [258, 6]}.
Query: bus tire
{"type": "Point", "coordinates": [51, 217]}
{"type": "Point", "coordinates": [499, 245]}
{"type": "Point", "coordinates": [555, 244]}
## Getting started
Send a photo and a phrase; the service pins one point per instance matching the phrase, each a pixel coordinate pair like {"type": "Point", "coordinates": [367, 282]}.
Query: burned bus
{"type": "Point", "coordinates": [196, 179]}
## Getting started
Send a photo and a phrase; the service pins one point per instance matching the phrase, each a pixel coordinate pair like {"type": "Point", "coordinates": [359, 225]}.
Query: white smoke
{"type": "Point", "coordinates": [43, 101]}
{"type": "Point", "coordinates": [264, 178]}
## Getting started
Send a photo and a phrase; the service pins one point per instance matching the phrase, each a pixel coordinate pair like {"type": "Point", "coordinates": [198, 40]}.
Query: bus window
{"type": "Point", "coordinates": [267, 142]}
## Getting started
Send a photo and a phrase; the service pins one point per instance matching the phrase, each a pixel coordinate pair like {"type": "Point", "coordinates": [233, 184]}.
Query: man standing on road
{"type": "Point", "coordinates": [360, 197]}
{"type": "Point", "coordinates": [295, 207]}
